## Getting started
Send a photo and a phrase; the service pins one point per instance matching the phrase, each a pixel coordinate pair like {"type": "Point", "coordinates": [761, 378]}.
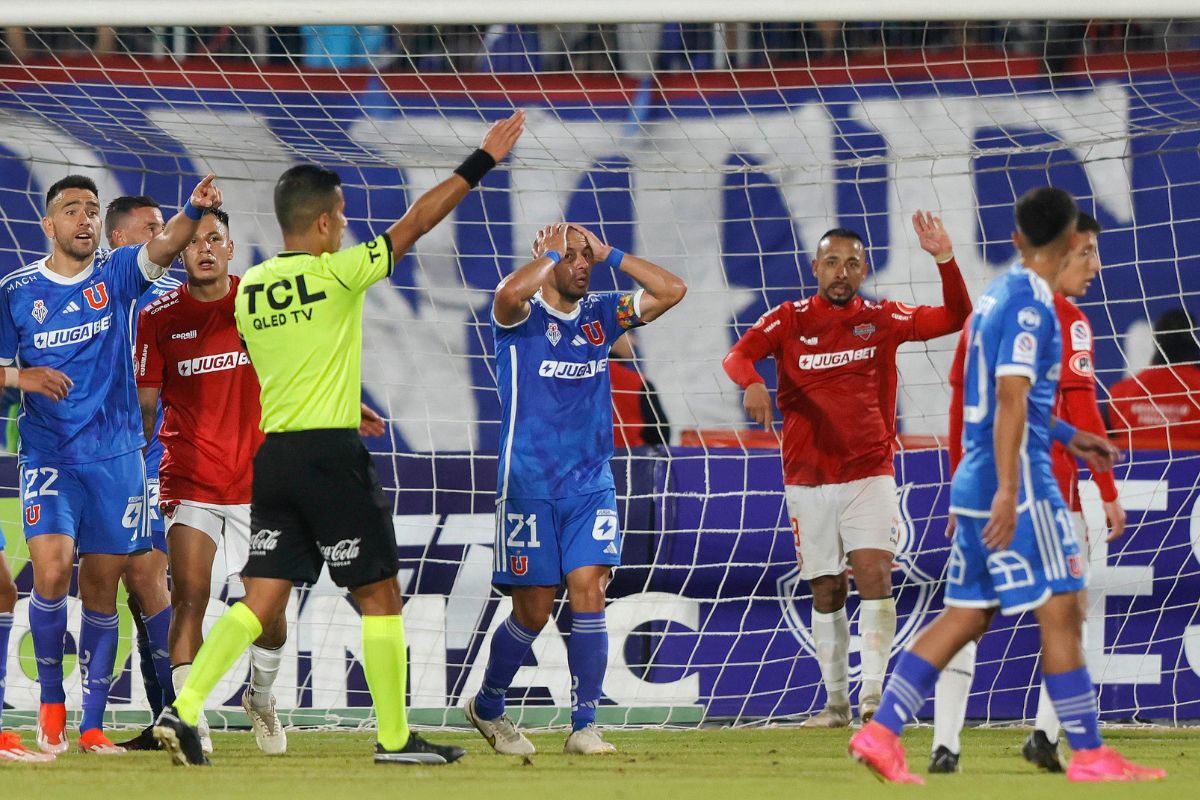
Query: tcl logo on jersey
{"type": "Point", "coordinates": [65, 336]}
{"type": "Point", "coordinates": [96, 296]}
{"type": "Point", "coordinates": [838, 359]}
{"type": "Point", "coordinates": [217, 363]}
{"type": "Point", "coordinates": [573, 370]}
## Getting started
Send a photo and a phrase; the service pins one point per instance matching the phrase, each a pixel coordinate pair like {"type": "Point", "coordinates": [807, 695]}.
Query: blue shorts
{"type": "Point", "coordinates": [158, 529]}
{"type": "Point", "coordinates": [1044, 559]}
{"type": "Point", "coordinates": [101, 505]}
{"type": "Point", "coordinates": [539, 541]}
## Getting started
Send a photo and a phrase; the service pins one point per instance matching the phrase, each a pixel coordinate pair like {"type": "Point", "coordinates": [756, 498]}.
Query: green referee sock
{"type": "Point", "coordinates": [385, 663]}
{"type": "Point", "coordinates": [229, 638]}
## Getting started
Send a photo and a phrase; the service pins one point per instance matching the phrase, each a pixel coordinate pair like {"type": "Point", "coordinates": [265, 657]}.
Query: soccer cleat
{"type": "Point", "coordinates": [832, 716]}
{"type": "Point", "coordinates": [205, 734]}
{"type": "Point", "coordinates": [143, 741]}
{"type": "Point", "coordinates": [587, 742]}
{"type": "Point", "coordinates": [419, 751]}
{"type": "Point", "coordinates": [180, 740]}
{"type": "Point", "coordinates": [95, 742]}
{"type": "Point", "coordinates": [500, 733]}
{"type": "Point", "coordinates": [944, 761]}
{"type": "Point", "coordinates": [880, 751]}
{"type": "Point", "coordinates": [268, 731]}
{"type": "Point", "coordinates": [867, 706]}
{"type": "Point", "coordinates": [11, 749]}
{"type": "Point", "coordinates": [1104, 764]}
{"type": "Point", "coordinates": [52, 728]}
{"type": "Point", "coordinates": [1042, 753]}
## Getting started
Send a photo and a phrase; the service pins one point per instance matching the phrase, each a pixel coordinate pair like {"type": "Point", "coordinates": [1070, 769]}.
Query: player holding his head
{"type": "Point", "coordinates": [315, 497]}
{"type": "Point", "coordinates": [556, 505]}
{"type": "Point", "coordinates": [136, 219]}
{"type": "Point", "coordinates": [835, 356]}
{"type": "Point", "coordinates": [1075, 404]}
{"type": "Point", "coordinates": [82, 473]}
{"type": "Point", "coordinates": [190, 356]}
{"type": "Point", "coordinates": [1014, 547]}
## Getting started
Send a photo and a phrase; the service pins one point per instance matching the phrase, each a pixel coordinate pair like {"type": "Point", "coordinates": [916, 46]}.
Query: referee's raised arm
{"type": "Point", "coordinates": [439, 201]}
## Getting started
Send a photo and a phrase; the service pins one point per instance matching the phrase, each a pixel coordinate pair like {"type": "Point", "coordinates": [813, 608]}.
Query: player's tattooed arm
{"type": "Point", "coordinates": [179, 230]}
{"type": "Point", "coordinates": [148, 402]}
{"type": "Point", "coordinates": [511, 303]}
{"type": "Point", "coordinates": [662, 289]}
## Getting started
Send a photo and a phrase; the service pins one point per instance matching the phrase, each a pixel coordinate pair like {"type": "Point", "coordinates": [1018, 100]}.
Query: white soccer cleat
{"type": "Point", "coordinates": [501, 734]}
{"type": "Point", "coordinates": [268, 731]}
{"type": "Point", "coordinates": [587, 742]}
{"type": "Point", "coordinates": [205, 734]}
{"type": "Point", "coordinates": [12, 749]}
{"type": "Point", "coordinates": [867, 706]}
{"type": "Point", "coordinates": [832, 716]}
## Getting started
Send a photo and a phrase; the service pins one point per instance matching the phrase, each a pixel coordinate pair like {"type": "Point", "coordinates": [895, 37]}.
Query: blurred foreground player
{"type": "Point", "coordinates": [315, 497]}
{"type": "Point", "coordinates": [835, 356]}
{"type": "Point", "coordinates": [1014, 547]}
{"type": "Point", "coordinates": [556, 504]}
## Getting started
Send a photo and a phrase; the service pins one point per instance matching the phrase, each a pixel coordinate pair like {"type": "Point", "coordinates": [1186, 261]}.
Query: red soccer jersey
{"type": "Point", "coordinates": [837, 380]}
{"type": "Point", "coordinates": [190, 350]}
{"type": "Point", "coordinates": [1158, 408]}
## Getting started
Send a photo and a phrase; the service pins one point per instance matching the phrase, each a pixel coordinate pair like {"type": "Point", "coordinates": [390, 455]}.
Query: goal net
{"type": "Point", "coordinates": [723, 152]}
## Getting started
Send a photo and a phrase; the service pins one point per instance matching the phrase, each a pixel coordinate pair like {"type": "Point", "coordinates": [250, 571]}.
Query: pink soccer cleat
{"type": "Point", "coordinates": [12, 749]}
{"type": "Point", "coordinates": [880, 750]}
{"type": "Point", "coordinates": [1104, 764]}
{"type": "Point", "coordinates": [95, 742]}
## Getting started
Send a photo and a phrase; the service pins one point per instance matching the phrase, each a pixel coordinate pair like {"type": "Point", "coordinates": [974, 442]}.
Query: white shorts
{"type": "Point", "coordinates": [832, 520]}
{"type": "Point", "coordinates": [228, 526]}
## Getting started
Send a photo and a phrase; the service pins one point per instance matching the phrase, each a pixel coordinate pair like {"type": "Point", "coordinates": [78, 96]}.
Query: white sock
{"type": "Point", "coordinates": [950, 699]}
{"type": "Point", "coordinates": [1047, 718]}
{"type": "Point", "coordinates": [831, 632]}
{"type": "Point", "coordinates": [264, 666]}
{"type": "Point", "coordinates": [876, 630]}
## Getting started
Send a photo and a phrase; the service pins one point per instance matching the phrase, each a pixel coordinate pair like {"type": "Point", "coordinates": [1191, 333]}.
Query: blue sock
{"type": "Point", "coordinates": [510, 644]}
{"type": "Point", "coordinates": [587, 656]}
{"type": "Point", "coordinates": [163, 692]}
{"type": "Point", "coordinates": [149, 676]}
{"type": "Point", "coordinates": [912, 681]}
{"type": "Point", "coordinates": [5, 630]}
{"type": "Point", "coordinates": [48, 623]}
{"type": "Point", "coordinates": [97, 656]}
{"type": "Point", "coordinates": [1075, 701]}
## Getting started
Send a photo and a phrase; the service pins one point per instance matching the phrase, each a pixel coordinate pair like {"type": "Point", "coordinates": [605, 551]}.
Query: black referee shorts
{"type": "Point", "coordinates": [316, 499]}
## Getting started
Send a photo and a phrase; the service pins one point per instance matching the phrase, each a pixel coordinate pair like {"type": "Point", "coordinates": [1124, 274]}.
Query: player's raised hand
{"type": "Point", "coordinates": [206, 194]}
{"type": "Point", "coordinates": [503, 135]}
{"type": "Point", "coordinates": [45, 381]}
{"type": "Point", "coordinates": [600, 250]}
{"type": "Point", "coordinates": [951, 526]}
{"type": "Point", "coordinates": [1099, 453]}
{"type": "Point", "coordinates": [757, 402]}
{"type": "Point", "coordinates": [1114, 514]}
{"type": "Point", "coordinates": [370, 424]}
{"type": "Point", "coordinates": [932, 235]}
{"type": "Point", "coordinates": [1002, 522]}
{"type": "Point", "coordinates": [551, 237]}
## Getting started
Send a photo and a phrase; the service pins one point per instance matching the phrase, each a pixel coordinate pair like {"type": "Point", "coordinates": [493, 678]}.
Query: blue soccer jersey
{"type": "Point", "coordinates": [1014, 331]}
{"type": "Point", "coordinates": [79, 326]}
{"type": "Point", "coordinates": [556, 437]}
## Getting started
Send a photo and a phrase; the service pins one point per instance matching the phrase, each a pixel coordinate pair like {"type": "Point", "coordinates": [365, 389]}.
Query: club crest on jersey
{"type": "Point", "coordinates": [864, 331]}
{"type": "Point", "coordinates": [96, 296]}
{"type": "Point", "coordinates": [553, 333]}
{"type": "Point", "coordinates": [594, 332]}
{"type": "Point", "coordinates": [518, 565]}
{"type": "Point", "coordinates": [33, 514]}
{"type": "Point", "coordinates": [39, 311]}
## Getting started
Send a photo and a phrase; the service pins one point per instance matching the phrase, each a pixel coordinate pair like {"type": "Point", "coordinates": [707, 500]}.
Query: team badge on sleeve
{"type": "Point", "coordinates": [1029, 318]}
{"type": "Point", "coordinates": [1081, 335]}
{"type": "Point", "coordinates": [1024, 348]}
{"type": "Point", "coordinates": [1081, 364]}
{"type": "Point", "coordinates": [626, 315]}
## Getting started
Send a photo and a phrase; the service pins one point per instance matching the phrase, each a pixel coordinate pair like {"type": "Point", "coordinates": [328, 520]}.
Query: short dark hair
{"type": "Point", "coordinates": [1175, 338]}
{"type": "Point", "coordinates": [302, 194]}
{"type": "Point", "coordinates": [222, 217]}
{"type": "Point", "coordinates": [71, 182]}
{"type": "Point", "coordinates": [1086, 223]}
{"type": "Point", "coordinates": [841, 233]}
{"type": "Point", "coordinates": [115, 213]}
{"type": "Point", "coordinates": [1043, 214]}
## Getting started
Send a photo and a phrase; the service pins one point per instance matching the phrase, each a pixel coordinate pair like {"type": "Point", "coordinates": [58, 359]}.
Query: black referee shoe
{"type": "Point", "coordinates": [419, 751]}
{"type": "Point", "coordinates": [1042, 753]}
{"type": "Point", "coordinates": [943, 761]}
{"type": "Point", "coordinates": [143, 741]}
{"type": "Point", "coordinates": [179, 739]}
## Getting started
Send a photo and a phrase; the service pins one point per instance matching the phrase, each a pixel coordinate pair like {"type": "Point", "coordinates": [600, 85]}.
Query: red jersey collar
{"type": "Point", "coordinates": [822, 304]}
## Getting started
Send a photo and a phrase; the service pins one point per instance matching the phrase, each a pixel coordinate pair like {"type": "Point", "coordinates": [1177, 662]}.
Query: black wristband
{"type": "Point", "coordinates": [475, 167]}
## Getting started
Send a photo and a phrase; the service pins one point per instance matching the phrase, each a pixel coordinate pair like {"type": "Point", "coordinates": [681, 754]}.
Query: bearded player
{"type": "Point", "coordinates": [1076, 404]}
{"type": "Point", "coordinates": [836, 362]}
{"type": "Point", "coordinates": [556, 506]}
{"type": "Point", "coordinates": [190, 356]}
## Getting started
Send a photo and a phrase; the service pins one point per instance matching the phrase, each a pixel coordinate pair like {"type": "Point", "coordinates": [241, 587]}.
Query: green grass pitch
{"type": "Point", "coordinates": [760, 764]}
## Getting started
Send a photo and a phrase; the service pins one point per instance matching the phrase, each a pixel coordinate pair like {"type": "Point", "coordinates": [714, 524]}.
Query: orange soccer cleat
{"type": "Point", "coordinates": [11, 749]}
{"type": "Point", "coordinates": [95, 742]}
{"type": "Point", "coordinates": [1104, 764]}
{"type": "Point", "coordinates": [881, 752]}
{"type": "Point", "coordinates": [52, 728]}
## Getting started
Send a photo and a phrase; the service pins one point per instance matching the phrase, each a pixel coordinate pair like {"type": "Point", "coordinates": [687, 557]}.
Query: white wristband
{"type": "Point", "coordinates": [12, 377]}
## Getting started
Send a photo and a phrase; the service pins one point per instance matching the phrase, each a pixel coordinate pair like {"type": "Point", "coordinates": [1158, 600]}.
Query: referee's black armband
{"type": "Point", "coordinates": [475, 167]}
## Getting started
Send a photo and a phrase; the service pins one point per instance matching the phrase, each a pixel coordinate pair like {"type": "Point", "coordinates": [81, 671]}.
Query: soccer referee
{"type": "Point", "coordinates": [316, 497]}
